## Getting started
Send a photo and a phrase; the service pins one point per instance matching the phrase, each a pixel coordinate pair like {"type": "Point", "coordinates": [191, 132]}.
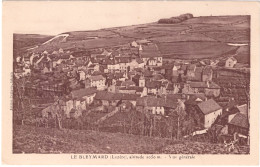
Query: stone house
{"type": "Point", "coordinates": [230, 62]}
{"type": "Point", "coordinates": [209, 111]}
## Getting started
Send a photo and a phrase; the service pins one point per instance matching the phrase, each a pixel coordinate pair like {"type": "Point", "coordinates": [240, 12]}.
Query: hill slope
{"type": "Point", "coordinates": [25, 41]}
{"type": "Point", "coordinates": [208, 33]}
{"type": "Point", "coordinates": [29, 139]}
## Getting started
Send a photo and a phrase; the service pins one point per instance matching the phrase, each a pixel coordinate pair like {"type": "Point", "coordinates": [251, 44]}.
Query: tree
{"type": "Point", "coordinates": [19, 97]}
{"type": "Point", "coordinates": [179, 79]}
{"type": "Point", "coordinates": [181, 116]}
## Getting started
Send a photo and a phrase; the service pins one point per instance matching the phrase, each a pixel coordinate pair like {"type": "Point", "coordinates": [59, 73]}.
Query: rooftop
{"type": "Point", "coordinates": [240, 120]}
{"type": "Point", "coordinates": [208, 106]}
{"type": "Point", "coordinates": [211, 85]}
{"type": "Point", "coordinates": [152, 101]}
{"type": "Point", "coordinates": [96, 78]}
{"type": "Point", "coordinates": [104, 95]}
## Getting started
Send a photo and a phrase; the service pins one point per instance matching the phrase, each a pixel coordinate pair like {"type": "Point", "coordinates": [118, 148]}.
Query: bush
{"type": "Point", "coordinates": [174, 20]}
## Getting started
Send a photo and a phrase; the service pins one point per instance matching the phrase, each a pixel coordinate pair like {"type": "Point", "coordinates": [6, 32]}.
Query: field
{"type": "Point", "coordinates": [192, 37]}
{"type": "Point", "coordinates": [24, 41]}
{"type": "Point", "coordinates": [86, 44]}
{"type": "Point", "coordinates": [191, 50]}
{"type": "Point", "coordinates": [243, 55]}
{"type": "Point", "coordinates": [28, 139]}
{"type": "Point", "coordinates": [204, 36]}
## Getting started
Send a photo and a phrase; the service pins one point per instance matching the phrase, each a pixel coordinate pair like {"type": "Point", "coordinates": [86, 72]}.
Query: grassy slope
{"type": "Point", "coordinates": [29, 40]}
{"type": "Point", "coordinates": [211, 29]}
{"type": "Point", "coordinates": [36, 140]}
{"type": "Point", "coordinates": [29, 139]}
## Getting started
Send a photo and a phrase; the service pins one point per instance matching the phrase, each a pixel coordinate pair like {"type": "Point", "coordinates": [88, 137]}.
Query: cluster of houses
{"type": "Point", "coordinates": [134, 77]}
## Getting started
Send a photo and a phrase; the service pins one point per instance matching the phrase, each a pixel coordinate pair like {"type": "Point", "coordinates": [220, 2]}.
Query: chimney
{"type": "Point", "coordinates": [208, 84]}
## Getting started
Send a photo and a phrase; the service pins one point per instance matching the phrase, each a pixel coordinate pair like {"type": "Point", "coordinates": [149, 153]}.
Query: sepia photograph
{"type": "Point", "coordinates": [126, 80]}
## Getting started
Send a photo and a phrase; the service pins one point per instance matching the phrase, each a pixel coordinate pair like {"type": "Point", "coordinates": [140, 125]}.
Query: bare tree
{"type": "Point", "coordinates": [181, 115]}
{"type": "Point", "coordinates": [19, 96]}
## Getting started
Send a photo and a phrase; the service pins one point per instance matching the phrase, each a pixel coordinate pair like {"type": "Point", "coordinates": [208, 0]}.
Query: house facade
{"type": "Point", "coordinates": [231, 62]}
{"type": "Point", "coordinates": [209, 111]}
{"type": "Point", "coordinates": [97, 81]}
{"type": "Point", "coordinates": [208, 88]}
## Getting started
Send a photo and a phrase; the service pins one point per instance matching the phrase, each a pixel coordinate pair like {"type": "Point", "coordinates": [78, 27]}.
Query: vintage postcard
{"type": "Point", "coordinates": [130, 83]}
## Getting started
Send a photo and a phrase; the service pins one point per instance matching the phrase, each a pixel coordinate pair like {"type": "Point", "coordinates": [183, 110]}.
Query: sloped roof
{"type": "Point", "coordinates": [109, 61]}
{"type": "Point", "coordinates": [105, 52]}
{"type": "Point", "coordinates": [100, 56]}
{"type": "Point", "coordinates": [122, 59]}
{"type": "Point", "coordinates": [175, 96]}
{"type": "Point", "coordinates": [118, 83]}
{"type": "Point", "coordinates": [243, 109]}
{"type": "Point", "coordinates": [65, 56]}
{"type": "Point", "coordinates": [128, 83]}
{"type": "Point", "coordinates": [240, 120]}
{"type": "Point", "coordinates": [208, 106]}
{"type": "Point", "coordinates": [119, 75]}
{"type": "Point", "coordinates": [139, 69]}
{"type": "Point", "coordinates": [153, 84]}
{"type": "Point", "coordinates": [204, 85]}
{"type": "Point", "coordinates": [139, 61]}
{"type": "Point", "coordinates": [96, 78]}
{"type": "Point", "coordinates": [148, 73]}
{"type": "Point", "coordinates": [158, 77]}
{"type": "Point", "coordinates": [136, 77]}
{"type": "Point", "coordinates": [104, 95]}
{"type": "Point", "coordinates": [232, 58]}
{"type": "Point", "coordinates": [137, 88]}
{"type": "Point", "coordinates": [96, 73]}
{"type": "Point", "coordinates": [125, 96]}
{"type": "Point", "coordinates": [152, 101]}
{"type": "Point", "coordinates": [115, 53]}
{"type": "Point", "coordinates": [194, 99]}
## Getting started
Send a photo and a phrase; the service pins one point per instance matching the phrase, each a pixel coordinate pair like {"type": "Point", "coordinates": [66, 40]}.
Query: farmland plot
{"type": "Point", "coordinates": [182, 38]}
{"type": "Point", "coordinates": [188, 50]}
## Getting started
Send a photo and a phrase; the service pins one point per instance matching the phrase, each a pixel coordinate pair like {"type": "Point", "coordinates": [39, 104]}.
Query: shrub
{"type": "Point", "coordinates": [174, 20]}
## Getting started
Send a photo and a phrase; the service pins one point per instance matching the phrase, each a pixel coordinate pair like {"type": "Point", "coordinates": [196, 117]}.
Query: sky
{"type": "Point", "coordinates": [52, 18]}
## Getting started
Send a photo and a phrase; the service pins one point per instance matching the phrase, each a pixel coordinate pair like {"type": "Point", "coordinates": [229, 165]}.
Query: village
{"type": "Point", "coordinates": [132, 89]}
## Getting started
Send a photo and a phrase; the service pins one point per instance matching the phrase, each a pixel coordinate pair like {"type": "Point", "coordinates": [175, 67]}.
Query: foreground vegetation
{"type": "Point", "coordinates": [29, 139]}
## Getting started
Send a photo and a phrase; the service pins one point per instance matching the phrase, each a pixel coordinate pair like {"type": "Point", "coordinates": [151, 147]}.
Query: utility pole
{"type": "Point", "coordinates": [248, 114]}
{"type": "Point", "coordinates": [178, 127]}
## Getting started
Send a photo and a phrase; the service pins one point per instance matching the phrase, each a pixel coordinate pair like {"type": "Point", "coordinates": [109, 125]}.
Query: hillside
{"type": "Point", "coordinates": [25, 41]}
{"type": "Point", "coordinates": [197, 37]}
{"type": "Point", "coordinates": [29, 139]}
